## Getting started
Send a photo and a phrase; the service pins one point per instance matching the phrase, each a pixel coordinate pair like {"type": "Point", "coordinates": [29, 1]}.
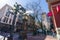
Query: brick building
{"type": "Point", "coordinates": [51, 2]}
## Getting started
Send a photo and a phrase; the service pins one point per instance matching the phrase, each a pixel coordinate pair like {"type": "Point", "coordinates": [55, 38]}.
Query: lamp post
{"type": "Point", "coordinates": [18, 9]}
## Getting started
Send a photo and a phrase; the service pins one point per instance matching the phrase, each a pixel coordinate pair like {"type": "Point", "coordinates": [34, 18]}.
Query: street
{"type": "Point", "coordinates": [5, 36]}
{"type": "Point", "coordinates": [30, 37]}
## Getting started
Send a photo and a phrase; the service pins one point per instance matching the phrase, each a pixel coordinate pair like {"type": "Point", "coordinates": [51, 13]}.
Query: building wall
{"type": "Point", "coordinates": [50, 2]}
{"type": "Point", "coordinates": [5, 15]}
{"type": "Point", "coordinates": [45, 22]}
{"type": "Point", "coordinates": [53, 7]}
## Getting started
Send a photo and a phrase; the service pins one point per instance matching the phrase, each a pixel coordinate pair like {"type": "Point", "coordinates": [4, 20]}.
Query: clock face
{"type": "Point", "coordinates": [20, 11]}
{"type": "Point", "coordinates": [19, 6]}
{"type": "Point", "coordinates": [44, 16]}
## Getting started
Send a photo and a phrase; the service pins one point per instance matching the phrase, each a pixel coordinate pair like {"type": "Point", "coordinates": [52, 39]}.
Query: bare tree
{"type": "Point", "coordinates": [36, 7]}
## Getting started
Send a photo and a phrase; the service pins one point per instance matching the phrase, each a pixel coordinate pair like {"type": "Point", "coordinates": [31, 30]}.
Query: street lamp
{"type": "Point", "coordinates": [16, 10]}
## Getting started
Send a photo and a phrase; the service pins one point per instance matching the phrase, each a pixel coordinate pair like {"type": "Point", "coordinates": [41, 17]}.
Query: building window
{"type": "Point", "coordinates": [0, 19]}
{"type": "Point", "coordinates": [7, 13]}
{"type": "Point", "coordinates": [10, 21]}
{"type": "Point", "coordinates": [5, 20]}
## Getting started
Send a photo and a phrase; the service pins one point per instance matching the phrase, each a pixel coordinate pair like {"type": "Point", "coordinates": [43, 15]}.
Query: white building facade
{"type": "Point", "coordinates": [45, 22]}
{"type": "Point", "coordinates": [6, 16]}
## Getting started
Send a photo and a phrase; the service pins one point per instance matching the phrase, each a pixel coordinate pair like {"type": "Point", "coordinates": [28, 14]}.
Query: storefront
{"type": "Point", "coordinates": [55, 9]}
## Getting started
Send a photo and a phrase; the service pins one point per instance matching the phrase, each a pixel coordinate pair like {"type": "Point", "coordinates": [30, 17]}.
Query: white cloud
{"type": "Point", "coordinates": [9, 2]}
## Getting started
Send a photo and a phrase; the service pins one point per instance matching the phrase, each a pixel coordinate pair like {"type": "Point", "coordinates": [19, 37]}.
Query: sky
{"type": "Point", "coordinates": [44, 5]}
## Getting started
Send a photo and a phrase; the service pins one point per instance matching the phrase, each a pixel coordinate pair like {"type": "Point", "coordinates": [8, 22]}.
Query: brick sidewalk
{"type": "Point", "coordinates": [41, 37]}
{"type": "Point", "coordinates": [50, 38]}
